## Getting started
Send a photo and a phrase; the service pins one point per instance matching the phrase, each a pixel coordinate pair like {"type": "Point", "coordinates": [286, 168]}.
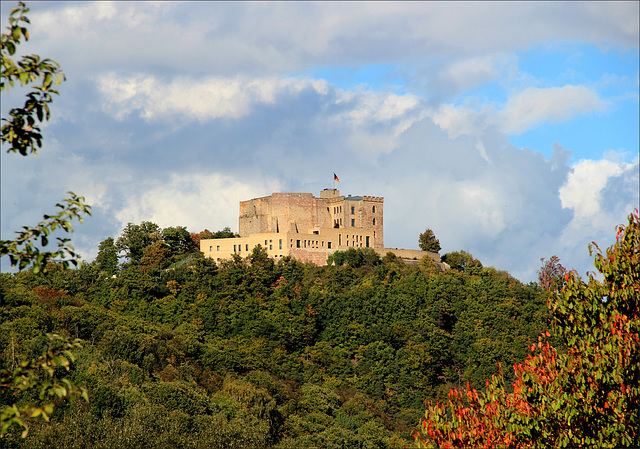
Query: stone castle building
{"type": "Point", "coordinates": [308, 228]}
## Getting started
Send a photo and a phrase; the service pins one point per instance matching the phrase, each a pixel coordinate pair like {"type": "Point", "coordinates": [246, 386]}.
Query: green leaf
{"type": "Point", "coordinates": [47, 81]}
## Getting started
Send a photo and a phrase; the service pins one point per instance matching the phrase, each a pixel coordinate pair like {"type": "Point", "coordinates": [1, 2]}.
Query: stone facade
{"type": "Point", "coordinates": [308, 228]}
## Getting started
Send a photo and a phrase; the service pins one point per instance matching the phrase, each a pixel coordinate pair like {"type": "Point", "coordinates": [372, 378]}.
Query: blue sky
{"type": "Point", "coordinates": [509, 128]}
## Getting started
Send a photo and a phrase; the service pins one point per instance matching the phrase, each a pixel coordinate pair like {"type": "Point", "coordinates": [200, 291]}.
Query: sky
{"type": "Point", "coordinates": [508, 128]}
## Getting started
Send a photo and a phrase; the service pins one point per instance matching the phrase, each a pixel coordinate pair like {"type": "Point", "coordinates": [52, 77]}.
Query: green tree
{"type": "Point", "coordinates": [428, 241]}
{"type": "Point", "coordinates": [355, 257]}
{"type": "Point", "coordinates": [462, 261]}
{"type": "Point", "coordinates": [154, 256]}
{"type": "Point", "coordinates": [178, 240]}
{"type": "Point", "coordinates": [107, 258]}
{"type": "Point", "coordinates": [135, 238]}
{"type": "Point", "coordinates": [21, 132]}
{"type": "Point", "coordinates": [225, 233]}
{"type": "Point", "coordinates": [588, 396]}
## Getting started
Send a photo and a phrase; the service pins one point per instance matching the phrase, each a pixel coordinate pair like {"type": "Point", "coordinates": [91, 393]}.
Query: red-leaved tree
{"type": "Point", "coordinates": [551, 274]}
{"type": "Point", "coordinates": [587, 396]}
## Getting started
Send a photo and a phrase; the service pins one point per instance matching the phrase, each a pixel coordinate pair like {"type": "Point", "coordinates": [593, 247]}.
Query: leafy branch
{"type": "Point", "coordinates": [22, 131]}
{"type": "Point", "coordinates": [39, 375]}
{"type": "Point", "coordinates": [23, 250]}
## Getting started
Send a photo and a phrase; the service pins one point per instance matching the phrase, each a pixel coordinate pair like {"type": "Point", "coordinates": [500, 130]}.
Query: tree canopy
{"type": "Point", "coordinates": [428, 241]}
{"type": "Point", "coordinates": [587, 395]}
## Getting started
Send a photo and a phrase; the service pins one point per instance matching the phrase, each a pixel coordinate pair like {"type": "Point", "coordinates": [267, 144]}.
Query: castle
{"type": "Point", "coordinates": [308, 228]}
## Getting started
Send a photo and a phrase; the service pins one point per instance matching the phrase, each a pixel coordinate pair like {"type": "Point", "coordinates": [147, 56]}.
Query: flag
{"type": "Point", "coordinates": [335, 177]}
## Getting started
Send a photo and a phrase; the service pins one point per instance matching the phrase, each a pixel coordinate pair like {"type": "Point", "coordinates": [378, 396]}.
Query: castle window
{"type": "Point", "coordinates": [374, 221]}
{"type": "Point", "coordinates": [280, 244]}
{"type": "Point", "coordinates": [265, 243]}
{"type": "Point", "coordinates": [353, 222]}
{"type": "Point", "coordinates": [270, 246]}
{"type": "Point", "coordinates": [367, 242]}
{"type": "Point", "coordinates": [246, 247]}
{"type": "Point", "coordinates": [353, 210]}
{"type": "Point", "coordinates": [218, 248]}
{"type": "Point", "coordinates": [297, 243]}
{"type": "Point", "coordinates": [373, 209]}
{"type": "Point", "coordinates": [234, 248]}
{"type": "Point", "coordinates": [211, 248]}
{"type": "Point", "coordinates": [329, 245]}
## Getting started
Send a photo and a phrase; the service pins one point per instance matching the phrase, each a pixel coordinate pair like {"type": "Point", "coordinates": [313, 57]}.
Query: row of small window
{"type": "Point", "coordinates": [338, 222]}
{"type": "Point", "coordinates": [275, 256]}
{"type": "Point", "coordinates": [357, 240]}
{"type": "Point", "coordinates": [238, 248]}
{"type": "Point", "coordinates": [311, 243]}
{"type": "Point", "coordinates": [338, 209]}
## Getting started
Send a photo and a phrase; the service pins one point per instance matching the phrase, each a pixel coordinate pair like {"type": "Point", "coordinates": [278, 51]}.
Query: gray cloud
{"type": "Point", "coordinates": [261, 38]}
{"type": "Point", "coordinates": [174, 112]}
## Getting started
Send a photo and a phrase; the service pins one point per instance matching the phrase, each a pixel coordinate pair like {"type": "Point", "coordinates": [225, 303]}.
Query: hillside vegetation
{"type": "Point", "coordinates": [253, 353]}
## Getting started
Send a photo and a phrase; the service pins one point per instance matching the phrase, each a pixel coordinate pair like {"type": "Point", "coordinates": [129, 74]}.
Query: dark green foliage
{"type": "Point", "coordinates": [355, 258]}
{"type": "Point", "coordinates": [462, 261]}
{"type": "Point", "coordinates": [178, 240]}
{"type": "Point", "coordinates": [225, 233]}
{"type": "Point", "coordinates": [428, 241]}
{"type": "Point", "coordinates": [257, 353]}
{"type": "Point", "coordinates": [135, 238]}
{"type": "Point", "coordinates": [107, 258]}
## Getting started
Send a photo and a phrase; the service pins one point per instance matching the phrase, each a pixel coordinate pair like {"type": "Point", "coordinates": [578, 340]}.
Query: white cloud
{"type": "Point", "coordinates": [477, 70]}
{"type": "Point", "coordinates": [523, 111]}
{"type": "Point", "coordinates": [373, 120]}
{"type": "Point", "coordinates": [195, 201]}
{"type": "Point", "coordinates": [228, 38]}
{"type": "Point", "coordinates": [534, 106]}
{"type": "Point", "coordinates": [585, 183]}
{"type": "Point", "coordinates": [196, 109]}
{"type": "Point", "coordinates": [601, 194]}
{"type": "Point", "coordinates": [192, 99]}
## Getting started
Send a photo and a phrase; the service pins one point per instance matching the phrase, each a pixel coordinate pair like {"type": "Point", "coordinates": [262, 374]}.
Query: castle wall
{"type": "Point", "coordinates": [309, 228]}
{"type": "Point", "coordinates": [358, 212]}
{"type": "Point", "coordinates": [314, 246]}
{"type": "Point", "coordinates": [282, 212]}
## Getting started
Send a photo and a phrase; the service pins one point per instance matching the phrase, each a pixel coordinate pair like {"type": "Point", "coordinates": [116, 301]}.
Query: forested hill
{"type": "Point", "coordinates": [253, 353]}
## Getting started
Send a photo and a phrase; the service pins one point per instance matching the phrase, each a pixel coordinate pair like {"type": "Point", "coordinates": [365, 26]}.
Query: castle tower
{"type": "Point", "coordinates": [300, 212]}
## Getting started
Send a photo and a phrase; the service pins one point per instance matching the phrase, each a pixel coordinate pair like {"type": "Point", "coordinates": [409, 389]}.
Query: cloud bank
{"type": "Point", "coordinates": [175, 112]}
